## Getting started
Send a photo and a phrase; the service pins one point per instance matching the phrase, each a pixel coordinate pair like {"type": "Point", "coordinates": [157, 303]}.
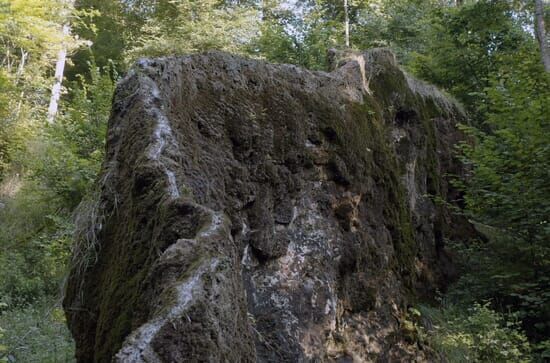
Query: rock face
{"type": "Point", "coordinates": [251, 212]}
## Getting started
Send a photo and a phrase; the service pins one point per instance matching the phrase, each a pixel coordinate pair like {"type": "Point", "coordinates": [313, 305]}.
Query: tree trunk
{"type": "Point", "coordinates": [59, 69]}
{"type": "Point", "coordinates": [346, 14]}
{"type": "Point", "coordinates": [21, 68]}
{"type": "Point", "coordinates": [60, 64]}
{"type": "Point", "coordinates": [542, 37]}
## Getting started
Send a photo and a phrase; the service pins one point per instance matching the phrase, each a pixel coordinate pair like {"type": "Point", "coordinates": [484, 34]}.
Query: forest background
{"type": "Point", "coordinates": [491, 55]}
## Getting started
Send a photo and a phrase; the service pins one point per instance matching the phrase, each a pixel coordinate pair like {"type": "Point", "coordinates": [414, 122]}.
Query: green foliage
{"type": "Point", "coordinates": [62, 163]}
{"type": "Point", "coordinates": [473, 334]}
{"type": "Point", "coordinates": [481, 52]}
{"type": "Point", "coordinates": [30, 39]}
{"type": "Point", "coordinates": [31, 27]}
{"type": "Point", "coordinates": [509, 187]}
{"type": "Point", "coordinates": [68, 156]}
{"type": "Point", "coordinates": [44, 172]}
{"type": "Point", "coordinates": [303, 35]}
{"type": "Point", "coordinates": [542, 350]}
{"type": "Point", "coordinates": [275, 41]}
{"type": "Point", "coordinates": [508, 194]}
{"type": "Point", "coordinates": [35, 334]}
{"type": "Point", "coordinates": [183, 26]}
{"type": "Point", "coordinates": [105, 24]}
{"type": "Point", "coordinates": [402, 25]}
{"type": "Point", "coordinates": [501, 270]}
{"type": "Point", "coordinates": [464, 46]}
{"type": "Point", "coordinates": [34, 241]}
{"type": "Point", "coordinates": [36, 227]}
{"type": "Point", "coordinates": [5, 90]}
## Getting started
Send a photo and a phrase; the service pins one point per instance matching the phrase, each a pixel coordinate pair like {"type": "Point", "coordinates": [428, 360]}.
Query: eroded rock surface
{"type": "Point", "coordinates": [251, 212]}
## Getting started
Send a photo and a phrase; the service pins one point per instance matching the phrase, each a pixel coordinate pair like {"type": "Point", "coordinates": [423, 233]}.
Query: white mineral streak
{"type": "Point", "coordinates": [162, 135]}
{"type": "Point", "coordinates": [331, 305]}
{"type": "Point", "coordinates": [172, 184]}
{"type": "Point", "coordinates": [245, 229]}
{"type": "Point", "coordinates": [245, 260]}
{"type": "Point", "coordinates": [410, 184]}
{"type": "Point", "coordinates": [214, 226]}
{"type": "Point", "coordinates": [398, 134]}
{"type": "Point", "coordinates": [362, 67]}
{"type": "Point", "coordinates": [294, 215]}
{"type": "Point", "coordinates": [137, 347]}
{"type": "Point", "coordinates": [248, 259]}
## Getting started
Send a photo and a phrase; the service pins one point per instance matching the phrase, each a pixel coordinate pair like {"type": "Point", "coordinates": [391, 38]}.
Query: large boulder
{"type": "Point", "coordinates": [253, 212]}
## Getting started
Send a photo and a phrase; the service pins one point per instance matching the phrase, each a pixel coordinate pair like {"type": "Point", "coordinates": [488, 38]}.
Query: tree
{"type": "Point", "coordinates": [346, 22]}
{"type": "Point", "coordinates": [111, 26]}
{"type": "Point", "coordinates": [465, 46]}
{"type": "Point", "coordinates": [30, 38]}
{"type": "Point", "coordinates": [184, 26]}
{"type": "Point", "coordinates": [280, 34]}
{"type": "Point", "coordinates": [60, 64]}
{"type": "Point", "coordinates": [540, 30]}
{"type": "Point", "coordinates": [508, 190]}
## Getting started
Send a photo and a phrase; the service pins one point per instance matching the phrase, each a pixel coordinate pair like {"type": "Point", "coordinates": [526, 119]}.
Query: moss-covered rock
{"type": "Point", "coordinates": [258, 212]}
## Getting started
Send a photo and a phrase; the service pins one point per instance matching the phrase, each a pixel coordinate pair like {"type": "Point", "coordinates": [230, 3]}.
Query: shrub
{"type": "Point", "coordinates": [474, 334]}
{"type": "Point", "coordinates": [35, 333]}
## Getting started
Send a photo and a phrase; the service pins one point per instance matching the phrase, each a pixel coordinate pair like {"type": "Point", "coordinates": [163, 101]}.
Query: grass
{"type": "Point", "coordinates": [35, 333]}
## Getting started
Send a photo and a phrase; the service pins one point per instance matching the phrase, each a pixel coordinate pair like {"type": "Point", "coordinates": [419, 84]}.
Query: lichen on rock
{"type": "Point", "coordinates": [253, 212]}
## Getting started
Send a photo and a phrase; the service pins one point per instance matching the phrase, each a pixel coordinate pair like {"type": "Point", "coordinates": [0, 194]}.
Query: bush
{"type": "Point", "coordinates": [34, 243]}
{"type": "Point", "coordinates": [507, 195]}
{"type": "Point", "coordinates": [58, 164]}
{"type": "Point", "coordinates": [474, 334]}
{"type": "Point", "coordinates": [61, 164]}
{"type": "Point", "coordinates": [500, 269]}
{"type": "Point", "coordinates": [67, 158]}
{"type": "Point", "coordinates": [36, 333]}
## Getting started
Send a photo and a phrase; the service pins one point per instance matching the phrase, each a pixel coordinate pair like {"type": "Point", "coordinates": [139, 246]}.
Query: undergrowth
{"type": "Point", "coordinates": [49, 176]}
{"type": "Point", "coordinates": [35, 333]}
{"type": "Point", "coordinates": [473, 333]}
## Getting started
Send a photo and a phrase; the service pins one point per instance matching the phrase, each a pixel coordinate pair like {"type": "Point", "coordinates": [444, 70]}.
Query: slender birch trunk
{"type": "Point", "coordinates": [59, 70]}
{"type": "Point", "coordinates": [542, 37]}
{"type": "Point", "coordinates": [346, 25]}
{"type": "Point", "coordinates": [21, 68]}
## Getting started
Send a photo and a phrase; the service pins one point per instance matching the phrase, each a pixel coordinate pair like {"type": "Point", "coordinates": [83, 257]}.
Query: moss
{"type": "Point", "coordinates": [431, 161]}
{"type": "Point", "coordinates": [114, 285]}
{"type": "Point", "coordinates": [357, 137]}
{"type": "Point", "coordinates": [363, 141]}
{"type": "Point", "coordinates": [117, 309]}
